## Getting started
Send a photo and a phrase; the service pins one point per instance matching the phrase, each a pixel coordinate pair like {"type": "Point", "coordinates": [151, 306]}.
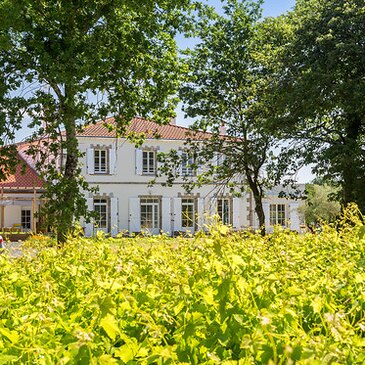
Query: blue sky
{"type": "Point", "coordinates": [270, 8]}
{"type": "Point", "coordinates": [277, 7]}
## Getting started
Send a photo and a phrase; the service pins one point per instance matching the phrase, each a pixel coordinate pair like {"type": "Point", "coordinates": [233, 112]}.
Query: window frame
{"type": "Point", "coordinates": [155, 219]}
{"type": "Point", "coordinates": [277, 214]}
{"type": "Point", "coordinates": [101, 202]}
{"type": "Point", "coordinates": [25, 224]}
{"type": "Point", "coordinates": [149, 168]}
{"type": "Point", "coordinates": [185, 219]}
{"type": "Point", "coordinates": [186, 164]}
{"type": "Point", "coordinates": [224, 213]}
{"type": "Point", "coordinates": [97, 161]}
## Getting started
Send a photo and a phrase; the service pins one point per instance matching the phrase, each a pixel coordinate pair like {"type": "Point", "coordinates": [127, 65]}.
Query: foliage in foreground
{"type": "Point", "coordinates": [231, 299]}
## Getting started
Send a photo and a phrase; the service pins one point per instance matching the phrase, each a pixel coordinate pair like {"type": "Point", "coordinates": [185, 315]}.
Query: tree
{"type": "Point", "coordinates": [319, 206]}
{"type": "Point", "coordinates": [69, 63]}
{"type": "Point", "coordinates": [317, 99]}
{"type": "Point", "coordinates": [220, 90]}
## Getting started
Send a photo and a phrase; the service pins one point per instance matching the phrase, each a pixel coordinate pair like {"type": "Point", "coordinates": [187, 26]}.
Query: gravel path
{"type": "Point", "coordinates": [13, 248]}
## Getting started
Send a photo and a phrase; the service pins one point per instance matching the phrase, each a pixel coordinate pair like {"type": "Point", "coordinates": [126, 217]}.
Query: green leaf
{"type": "Point", "coordinates": [107, 360]}
{"type": "Point", "coordinates": [8, 359]}
{"type": "Point", "coordinates": [362, 232]}
{"type": "Point", "coordinates": [110, 326]}
{"type": "Point", "coordinates": [127, 352]}
{"type": "Point", "coordinates": [10, 335]}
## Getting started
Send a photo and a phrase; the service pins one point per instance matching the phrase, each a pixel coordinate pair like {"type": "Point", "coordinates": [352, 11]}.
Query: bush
{"type": "Point", "coordinates": [230, 299]}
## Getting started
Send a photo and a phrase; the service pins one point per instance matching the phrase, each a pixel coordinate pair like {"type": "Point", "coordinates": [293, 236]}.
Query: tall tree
{"type": "Point", "coordinates": [318, 98]}
{"type": "Point", "coordinates": [319, 205]}
{"type": "Point", "coordinates": [220, 91]}
{"type": "Point", "coordinates": [68, 63]}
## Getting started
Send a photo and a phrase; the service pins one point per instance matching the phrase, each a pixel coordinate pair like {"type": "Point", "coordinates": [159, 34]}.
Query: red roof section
{"type": "Point", "coordinates": [151, 130]}
{"type": "Point", "coordinates": [24, 177]}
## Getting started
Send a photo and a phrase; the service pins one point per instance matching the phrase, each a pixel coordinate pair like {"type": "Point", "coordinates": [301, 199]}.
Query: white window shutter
{"type": "Point", "coordinates": [112, 161]}
{"type": "Point", "coordinates": [166, 215]}
{"type": "Point", "coordinates": [139, 156]}
{"type": "Point", "coordinates": [201, 212]}
{"type": "Point", "coordinates": [294, 216]}
{"type": "Point", "coordinates": [114, 216]}
{"type": "Point", "coordinates": [179, 167]}
{"type": "Point", "coordinates": [89, 227]}
{"type": "Point", "coordinates": [215, 159]}
{"type": "Point", "coordinates": [177, 215]}
{"type": "Point", "coordinates": [236, 210]}
{"type": "Point", "coordinates": [159, 164]}
{"type": "Point", "coordinates": [199, 169]}
{"type": "Point", "coordinates": [90, 161]}
{"type": "Point", "coordinates": [134, 215]}
{"type": "Point", "coordinates": [213, 205]}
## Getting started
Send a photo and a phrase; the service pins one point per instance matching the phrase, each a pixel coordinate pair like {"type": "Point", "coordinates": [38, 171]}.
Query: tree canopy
{"type": "Point", "coordinates": [220, 92]}
{"type": "Point", "coordinates": [66, 64]}
{"type": "Point", "coordinates": [319, 206]}
{"type": "Point", "coordinates": [316, 55]}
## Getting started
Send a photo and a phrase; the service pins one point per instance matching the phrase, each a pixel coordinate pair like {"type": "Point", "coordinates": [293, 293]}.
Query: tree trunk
{"type": "Point", "coordinates": [68, 183]}
{"type": "Point", "coordinates": [352, 171]}
{"type": "Point", "coordinates": [257, 195]}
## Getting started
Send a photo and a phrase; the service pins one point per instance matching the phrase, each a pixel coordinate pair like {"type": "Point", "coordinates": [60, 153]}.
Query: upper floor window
{"type": "Point", "coordinates": [62, 160]}
{"type": "Point", "coordinates": [148, 162]}
{"type": "Point", "coordinates": [186, 164]}
{"type": "Point", "coordinates": [100, 161]}
{"type": "Point", "coordinates": [277, 214]}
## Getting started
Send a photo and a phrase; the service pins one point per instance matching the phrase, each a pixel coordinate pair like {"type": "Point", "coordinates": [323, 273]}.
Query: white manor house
{"type": "Point", "coordinates": [125, 200]}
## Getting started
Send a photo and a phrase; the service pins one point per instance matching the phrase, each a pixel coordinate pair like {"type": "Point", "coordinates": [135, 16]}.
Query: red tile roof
{"type": "Point", "coordinates": [24, 177]}
{"type": "Point", "coordinates": [150, 129]}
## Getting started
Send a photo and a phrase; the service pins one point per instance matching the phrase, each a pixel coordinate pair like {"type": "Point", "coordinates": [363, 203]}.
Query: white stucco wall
{"type": "Point", "coordinates": [13, 204]}
{"type": "Point", "coordinates": [124, 183]}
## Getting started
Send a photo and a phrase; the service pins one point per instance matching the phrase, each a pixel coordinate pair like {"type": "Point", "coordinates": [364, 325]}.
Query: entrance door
{"type": "Point", "coordinates": [150, 215]}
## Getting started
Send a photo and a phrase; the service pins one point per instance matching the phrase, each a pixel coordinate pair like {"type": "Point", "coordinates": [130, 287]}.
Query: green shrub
{"type": "Point", "coordinates": [214, 299]}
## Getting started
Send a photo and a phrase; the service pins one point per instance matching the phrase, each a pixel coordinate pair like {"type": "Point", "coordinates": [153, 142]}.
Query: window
{"type": "Point", "coordinates": [277, 214]}
{"type": "Point", "coordinates": [187, 213]}
{"type": "Point", "coordinates": [100, 161]}
{"type": "Point", "coordinates": [148, 162]}
{"type": "Point", "coordinates": [224, 210]}
{"type": "Point", "coordinates": [220, 159]}
{"type": "Point", "coordinates": [63, 159]}
{"type": "Point", "coordinates": [26, 218]}
{"type": "Point", "coordinates": [101, 209]}
{"type": "Point", "coordinates": [186, 164]}
{"type": "Point", "coordinates": [150, 214]}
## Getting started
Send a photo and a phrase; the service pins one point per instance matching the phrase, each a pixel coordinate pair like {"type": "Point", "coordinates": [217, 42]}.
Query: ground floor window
{"type": "Point", "coordinates": [150, 213]}
{"type": "Point", "coordinates": [188, 213]}
{"type": "Point", "coordinates": [277, 214]}
{"type": "Point", "coordinates": [101, 209]}
{"type": "Point", "coordinates": [224, 210]}
{"type": "Point", "coordinates": [26, 218]}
